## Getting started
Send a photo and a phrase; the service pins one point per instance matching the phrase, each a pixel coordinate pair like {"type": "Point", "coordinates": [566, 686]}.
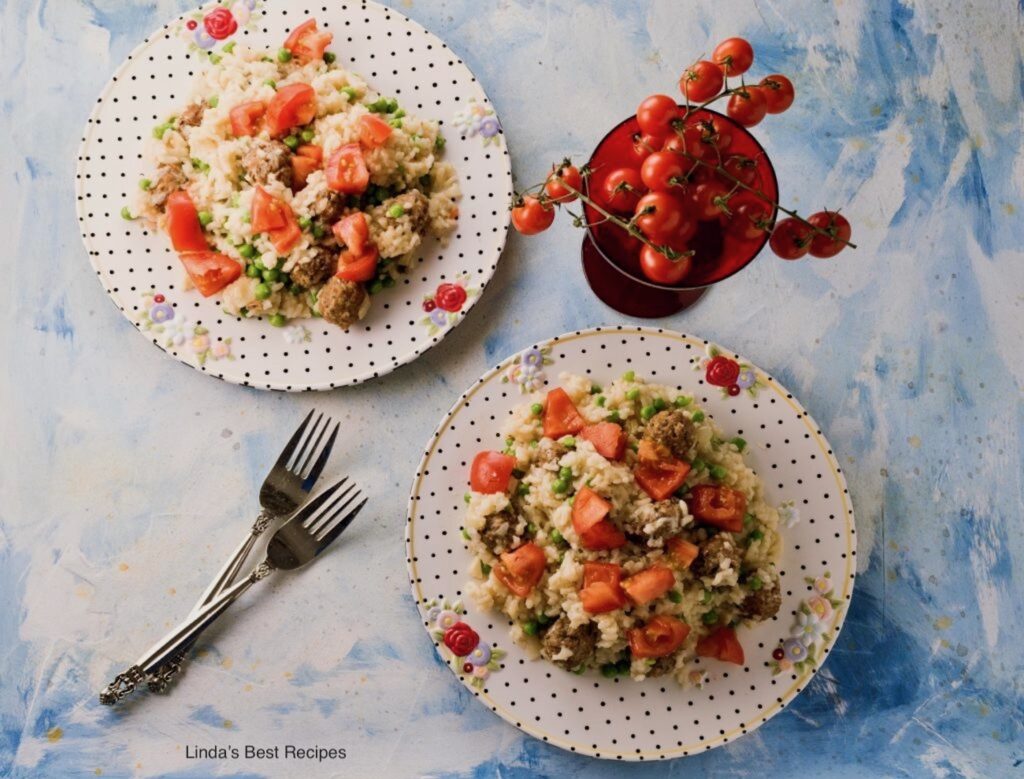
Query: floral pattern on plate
{"type": "Point", "coordinates": [731, 375]}
{"type": "Point", "coordinates": [465, 651]}
{"type": "Point", "coordinates": [174, 329]}
{"type": "Point", "coordinates": [445, 306]}
{"type": "Point", "coordinates": [204, 28]}
{"type": "Point", "coordinates": [527, 369]}
{"type": "Point", "coordinates": [800, 652]}
{"type": "Point", "coordinates": [478, 119]}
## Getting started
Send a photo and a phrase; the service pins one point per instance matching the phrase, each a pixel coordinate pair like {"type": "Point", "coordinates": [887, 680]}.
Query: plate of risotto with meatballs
{"type": "Point", "coordinates": [631, 543]}
{"type": "Point", "coordinates": [294, 203]}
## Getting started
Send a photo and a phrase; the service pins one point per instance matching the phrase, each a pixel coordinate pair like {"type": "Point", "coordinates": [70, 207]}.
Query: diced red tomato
{"type": "Point", "coordinates": [608, 438]}
{"type": "Point", "coordinates": [682, 551]}
{"type": "Point", "coordinates": [352, 231]}
{"type": "Point", "coordinates": [491, 471]}
{"type": "Point", "coordinates": [210, 271]}
{"type": "Point", "coordinates": [721, 644]}
{"type": "Point", "coordinates": [346, 170]}
{"type": "Point", "coordinates": [302, 167]}
{"type": "Point", "coordinates": [245, 118]}
{"type": "Point", "coordinates": [659, 637]}
{"type": "Point", "coordinates": [361, 266]}
{"type": "Point", "coordinates": [291, 106]}
{"type": "Point", "coordinates": [307, 43]}
{"type": "Point", "coordinates": [183, 224]}
{"type": "Point", "coordinates": [650, 452]}
{"type": "Point", "coordinates": [591, 523]}
{"type": "Point", "coordinates": [268, 212]}
{"type": "Point", "coordinates": [286, 238]}
{"type": "Point", "coordinates": [600, 592]}
{"type": "Point", "coordinates": [722, 507]}
{"type": "Point", "coordinates": [609, 573]}
{"type": "Point", "coordinates": [649, 584]}
{"type": "Point", "coordinates": [312, 151]}
{"type": "Point", "coordinates": [560, 415]}
{"type": "Point", "coordinates": [522, 569]}
{"type": "Point", "coordinates": [373, 131]}
{"type": "Point", "coordinates": [660, 480]}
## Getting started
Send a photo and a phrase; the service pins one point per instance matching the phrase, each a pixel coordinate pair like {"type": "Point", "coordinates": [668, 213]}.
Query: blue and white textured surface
{"type": "Point", "coordinates": [126, 476]}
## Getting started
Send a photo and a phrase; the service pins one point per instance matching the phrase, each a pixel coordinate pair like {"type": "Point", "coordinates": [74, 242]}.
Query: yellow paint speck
{"type": "Point", "coordinates": [287, 674]}
{"type": "Point", "coordinates": [893, 545]}
{"type": "Point", "coordinates": [172, 591]}
{"type": "Point", "coordinates": [943, 623]}
{"type": "Point", "coordinates": [914, 441]}
{"type": "Point", "coordinates": [227, 724]}
{"type": "Point", "coordinates": [122, 566]}
{"type": "Point", "coordinates": [98, 771]}
{"type": "Point", "coordinates": [227, 662]}
{"type": "Point", "coordinates": [54, 734]}
{"type": "Point", "coordinates": [876, 110]}
{"type": "Point", "coordinates": [983, 710]}
{"type": "Point", "coordinates": [944, 643]}
{"type": "Point", "coordinates": [247, 688]}
{"type": "Point", "coordinates": [891, 575]}
{"type": "Point", "coordinates": [82, 591]}
{"type": "Point", "coordinates": [1009, 209]}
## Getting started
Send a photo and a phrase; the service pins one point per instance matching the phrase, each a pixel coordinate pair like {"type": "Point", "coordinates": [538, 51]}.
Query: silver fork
{"type": "Point", "coordinates": [287, 485]}
{"type": "Point", "coordinates": [297, 542]}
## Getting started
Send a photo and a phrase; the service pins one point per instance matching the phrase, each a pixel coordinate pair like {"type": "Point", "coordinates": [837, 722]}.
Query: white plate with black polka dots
{"type": "Point", "coordinates": [143, 276]}
{"type": "Point", "coordinates": [617, 718]}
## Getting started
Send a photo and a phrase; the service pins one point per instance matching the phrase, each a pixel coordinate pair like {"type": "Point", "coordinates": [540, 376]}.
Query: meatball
{"type": "Point", "coordinates": [663, 665]}
{"type": "Point", "coordinates": [266, 159]}
{"type": "Point", "coordinates": [317, 269]}
{"type": "Point", "coordinates": [192, 115]}
{"type": "Point", "coordinates": [567, 646]}
{"type": "Point", "coordinates": [672, 432]}
{"type": "Point", "coordinates": [169, 180]}
{"type": "Point", "coordinates": [652, 523]}
{"type": "Point", "coordinates": [549, 453]}
{"type": "Point", "coordinates": [718, 553]}
{"type": "Point", "coordinates": [499, 531]}
{"type": "Point", "coordinates": [763, 603]}
{"type": "Point", "coordinates": [342, 302]}
{"type": "Point", "coordinates": [399, 235]}
{"type": "Point", "coordinates": [328, 207]}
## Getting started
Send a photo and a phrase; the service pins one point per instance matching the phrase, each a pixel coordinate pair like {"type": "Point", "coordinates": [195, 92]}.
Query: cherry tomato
{"type": "Point", "coordinates": [751, 217]}
{"type": "Point", "coordinates": [622, 189]}
{"type": "Point", "coordinates": [778, 93]}
{"type": "Point", "coordinates": [491, 471]}
{"type": "Point", "coordinates": [748, 106]}
{"type": "Point", "coordinates": [532, 216]}
{"type": "Point", "coordinates": [707, 200]}
{"type": "Point", "coordinates": [659, 215]}
{"type": "Point", "coordinates": [210, 271]}
{"type": "Point", "coordinates": [701, 81]}
{"type": "Point", "coordinates": [644, 146]}
{"type": "Point", "coordinates": [663, 171]}
{"type": "Point", "coordinates": [306, 43]}
{"type": "Point", "coordinates": [837, 226]}
{"type": "Point", "coordinates": [373, 131]}
{"type": "Point", "coordinates": [245, 118]}
{"type": "Point", "coordinates": [715, 134]}
{"type": "Point", "coordinates": [561, 175]}
{"type": "Point", "coordinates": [656, 115]}
{"type": "Point", "coordinates": [740, 167]}
{"type": "Point", "coordinates": [791, 239]}
{"type": "Point", "coordinates": [661, 269]}
{"type": "Point", "coordinates": [688, 141]}
{"type": "Point", "coordinates": [346, 170]}
{"type": "Point", "coordinates": [290, 106]}
{"type": "Point", "coordinates": [734, 55]}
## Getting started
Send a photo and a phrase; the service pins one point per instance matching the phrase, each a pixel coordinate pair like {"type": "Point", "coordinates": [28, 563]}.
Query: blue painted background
{"type": "Point", "coordinates": [126, 476]}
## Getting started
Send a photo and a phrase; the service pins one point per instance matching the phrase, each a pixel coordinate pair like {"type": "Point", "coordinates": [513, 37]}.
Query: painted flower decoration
{"type": "Point", "coordinates": [433, 613]}
{"type": "Point", "coordinates": [161, 312]}
{"type": "Point", "coordinates": [820, 608]}
{"type": "Point", "coordinates": [242, 10]}
{"type": "Point", "coordinates": [296, 334]}
{"type": "Point", "coordinates": [178, 331]}
{"type": "Point", "coordinates": [220, 23]}
{"type": "Point", "coordinates": [526, 369]}
{"type": "Point", "coordinates": [808, 627]}
{"type": "Point", "coordinates": [533, 358]}
{"type": "Point", "coordinates": [461, 639]}
{"type": "Point", "coordinates": [446, 619]}
{"type": "Point", "coordinates": [200, 343]}
{"type": "Point", "coordinates": [445, 306]}
{"type": "Point", "coordinates": [800, 652]}
{"type": "Point", "coordinates": [732, 376]}
{"type": "Point", "coordinates": [203, 31]}
{"type": "Point", "coordinates": [789, 514]}
{"type": "Point", "coordinates": [721, 371]}
{"type": "Point", "coordinates": [450, 297]}
{"type": "Point", "coordinates": [465, 651]}
{"type": "Point", "coordinates": [220, 350]}
{"type": "Point", "coordinates": [481, 655]}
{"type": "Point", "coordinates": [823, 585]}
{"type": "Point", "coordinates": [794, 650]}
{"type": "Point", "coordinates": [478, 119]}
{"type": "Point", "coordinates": [203, 39]}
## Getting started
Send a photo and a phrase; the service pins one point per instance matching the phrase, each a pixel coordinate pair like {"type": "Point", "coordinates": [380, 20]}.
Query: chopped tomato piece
{"type": "Point", "coordinates": [602, 597]}
{"type": "Point", "coordinates": [609, 573]}
{"type": "Point", "coordinates": [659, 637]}
{"type": "Point", "coordinates": [286, 238]}
{"type": "Point", "coordinates": [373, 131]}
{"type": "Point", "coordinates": [660, 480]}
{"type": "Point", "coordinates": [682, 551]}
{"type": "Point", "coordinates": [521, 570]}
{"type": "Point", "coordinates": [268, 212]}
{"type": "Point", "coordinates": [608, 438]}
{"type": "Point", "coordinates": [722, 507]}
{"type": "Point", "coordinates": [346, 170]}
{"type": "Point", "coordinates": [560, 415]}
{"type": "Point", "coordinates": [210, 271]}
{"type": "Point", "coordinates": [307, 43]}
{"type": "Point", "coordinates": [183, 224]}
{"type": "Point", "coordinates": [245, 118]}
{"type": "Point", "coordinates": [650, 452]}
{"type": "Point", "coordinates": [721, 644]}
{"type": "Point", "coordinates": [312, 151]}
{"type": "Point", "coordinates": [648, 584]}
{"type": "Point", "coordinates": [302, 167]}
{"type": "Point", "coordinates": [352, 231]}
{"type": "Point", "coordinates": [591, 523]}
{"type": "Point", "coordinates": [491, 471]}
{"type": "Point", "coordinates": [290, 106]}
{"type": "Point", "coordinates": [362, 266]}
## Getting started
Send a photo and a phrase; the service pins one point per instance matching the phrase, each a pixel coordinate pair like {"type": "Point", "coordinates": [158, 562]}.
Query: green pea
{"type": "Point", "coordinates": [698, 416]}
{"type": "Point", "coordinates": [396, 123]}
{"type": "Point", "coordinates": [465, 534]}
{"type": "Point", "coordinates": [530, 627]}
{"type": "Point", "coordinates": [647, 412]}
{"type": "Point", "coordinates": [215, 58]}
{"type": "Point", "coordinates": [710, 617]}
{"type": "Point", "coordinates": [629, 376]}
{"type": "Point", "coordinates": [247, 250]}
{"type": "Point", "coordinates": [705, 598]}
{"type": "Point", "coordinates": [278, 320]}
{"type": "Point", "coordinates": [253, 272]}
{"type": "Point", "coordinates": [485, 569]}
{"type": "Point", "coordinates": [698, 464]}
{"type": "Point", "coordinates": [295, 289]}
{"type": "Point", "coordinates": [283, 55]}
{"type": "Point", "coordinates": [595, 389]}
{"type": "Point", "coordinates": [351, 92]}
{"type": "Point", "coordinates": [396, 211]}
{"type": "Point", "coordinates": [748, 519]}
{"type": "Point", "coordinates": [600, 400]}
{"type": "Point", "coordinates": [580, 670]}
{"type": "Point", "coordinates": [262, 292]}
{"type": "Point", "coordinates": [243, 311]}
{"type": "Point", "coordinates": [199, 165]}
{"type": "Point", "coordinates": [755, 584]}
{"type": "Point", "coordinates": [544, 620]}
{"type": "Point", "coordinates": [613, 417]}
{"type": "Point", "coordinates": [258, 262]}
{"type": "Point", "coordinates": [392, 105]}
{"type": "Point", "coordinates": [126, 214]}
{"type": "Point", "coordinates": [755, 535]}
{"type": "Point", "coordinates": [378, 106]}
{"type": "Point", "coordinates": [718, 473]}
{"type": "Point", "coordinates": [205, 217]}
{"type": "Point", "coordinates": [160, 129]}
{"type": "Point", "coordinates": [569, 442]}
{"type": "Point", "coordinates": [536, 409]}
{"type": "Point", "coordinates": [247, 217]}
{"type": "Point", "coordinates": [467, 497]}
{"type": "Point", "coordinates": [213, 101]}
{"type": "Point", "coordinates": [305, 222]}
{"type": "Point", "coordinates": [609, 671]}
{"type": "Point", "coordinates": [318, 231]}
{"type": "Point", "coordinates": [633, 394]}
{"type": "Point", "coordinates": [682, 401]}
{"type": "Point", "coordinates": [376, 287]}
{"type": "Point", "coordinates": [291, 142]}
{"type": "Point", "coordinates": [565, 472]}
{"type": "Point", "coordinates": [560, 487]}
{"type": "Point", "coordinates": [523, 489]}
{"type": "Point", "coordinates": [675, 596]}
{"type": "Point", "coordinates": [307, 135]}
{"type": "Point", "coordinates": [660, 404]}
{"type": "Point", "coordinates": [399, 113]}
{"type": "Point", "coordinates": [229, 47]}
{"type": "Point", "coordinates": [739, 443]}
{"type": "Point", "coordinates": [531, 528]}
{"type": "Point", "coordinates": [330, 57]}
{"type": "Point", "coordinates": [556, 537]}
{"type": "Point", "coordinates": [271, 275]}
{"type": "Point", "coordinates": [623, 665]}
{"type": "Point", "coordinates": [145, 184]}
{"type": "Point", "coordinates": [439, 142]}
{"type": "Point", "coordinates": [270, 83]}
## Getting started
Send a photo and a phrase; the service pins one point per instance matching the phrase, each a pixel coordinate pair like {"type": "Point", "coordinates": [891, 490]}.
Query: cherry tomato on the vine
{"type": "Point", "coordinates": [709, 201]}
{"type": "Point", "coordinates": [751, 217]}
{"type": "Point", "coordinates": [532, 216]}
{"type": "Point", "coordinates": [561, 175]}
{"type": "Point", "coordinates": [659, 215]}
{"type": "Point", "coordinates": [838, 228]}
{"type": "Point", "coordinates": [701, 81]}
{"type": "Point", "coordinates": [791, 239]}
{"type": "Point", "coordinates": [689, 141]}
{"type": "Point", "coordinates": [740, 167]}
{"type": "Point", "coordinates": [622, 189]}
{"type": "Point", "coordinates": [747, 106]}
{"type": "Point", "coordinates": [644, 146]}
{"type": "Point", "coordinates": [715, 134]}
{"type": "Point", "coordinates": [664, 171]}
{"type": "Point", "coordinates": [778, 93]}
{"type": "Point", "coordinates": [661, 269]}
{"type": "Point", "coordinates": [734, 55]}
{"type": "Point", "coordinates": [656, 115]}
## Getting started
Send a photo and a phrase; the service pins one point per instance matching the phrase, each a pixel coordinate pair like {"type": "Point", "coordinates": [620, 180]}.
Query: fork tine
{"type": "Point", "coordinates": [339, 528]}
{"type": "Point", "coordinates": [286, 453]}
{"type": "Point", "coordinates": [311, 508]}
{"type": "Point", "coordinates": [313, 526]}
{"type": "Point", "coordinates": [305, 444]}
{"type": "Point", "coordinates": [321, 461]}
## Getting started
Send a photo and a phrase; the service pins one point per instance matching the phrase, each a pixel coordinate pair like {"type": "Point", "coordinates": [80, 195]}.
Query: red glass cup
{"type": "Point", "coordinates": [611, 257]}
